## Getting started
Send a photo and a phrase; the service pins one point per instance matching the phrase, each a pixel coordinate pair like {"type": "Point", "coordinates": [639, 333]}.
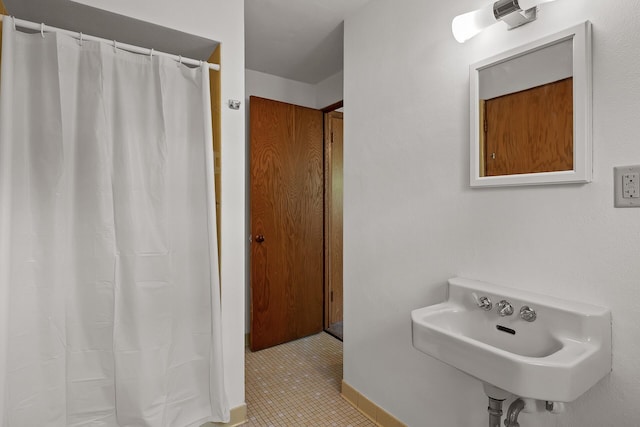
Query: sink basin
{"type": "Point", "coordinates": [558, 356]}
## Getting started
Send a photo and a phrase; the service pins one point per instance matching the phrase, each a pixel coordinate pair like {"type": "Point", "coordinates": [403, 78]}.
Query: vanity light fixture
{"type": "Point", "coordinates": [514, 12]}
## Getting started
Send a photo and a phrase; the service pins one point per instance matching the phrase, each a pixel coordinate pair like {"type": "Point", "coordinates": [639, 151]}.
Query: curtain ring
{"type": "Point", "coordinates": [42, 29]}
{"type": "Point", "coordinates": [151, 53]}
{"type": "Point", "coordinates": [180, 59]}
{"type": "Point", "coordinates": [14, 22]}
{"type": "Point", "coordinates": [201, 62]}
{"type": "Point", "coordinates": [115, 48]}
{"type": "Point", "coordinates": [81, 38]}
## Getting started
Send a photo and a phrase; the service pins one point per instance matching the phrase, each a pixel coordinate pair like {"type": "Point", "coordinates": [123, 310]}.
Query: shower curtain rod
{"type": "Point", "coordinates": [118, 45]}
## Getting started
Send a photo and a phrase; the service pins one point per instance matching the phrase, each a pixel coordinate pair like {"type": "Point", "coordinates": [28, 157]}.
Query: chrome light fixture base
{"type": "Point", "coordinates": [512, 14]}
{"type": "Point", "coordinates": [519, 18]}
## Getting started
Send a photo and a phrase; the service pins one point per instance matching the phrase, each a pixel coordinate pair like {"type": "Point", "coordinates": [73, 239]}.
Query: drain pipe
{"type": "Point", "coordinates": [495, 411]}
{"type": "Point", "coordinates": [513, 412]}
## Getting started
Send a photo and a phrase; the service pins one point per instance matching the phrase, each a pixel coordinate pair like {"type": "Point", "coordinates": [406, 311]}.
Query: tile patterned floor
{"type": "Point", "coordinates": [298, 384]}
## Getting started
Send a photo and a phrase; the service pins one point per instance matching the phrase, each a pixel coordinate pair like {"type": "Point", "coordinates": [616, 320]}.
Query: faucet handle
{"type": "Point", "coordinates": [528, 314]}
{"type": "Point", "coordinates": [505, 308]}
{"type": "Point", "coordinates": [485, 303]}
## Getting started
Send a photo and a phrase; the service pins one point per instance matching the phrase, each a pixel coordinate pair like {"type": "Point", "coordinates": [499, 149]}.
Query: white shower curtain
{"type": "Point", "coordinates": [109, 285]}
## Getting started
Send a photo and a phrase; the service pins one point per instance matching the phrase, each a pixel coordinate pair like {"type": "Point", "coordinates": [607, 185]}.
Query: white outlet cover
{"type": "Point", "coordinates": [619, 200]}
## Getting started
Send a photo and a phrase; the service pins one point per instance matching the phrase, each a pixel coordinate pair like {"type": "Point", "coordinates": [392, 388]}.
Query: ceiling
{"type": "Point", "coordinates": [295, 39]}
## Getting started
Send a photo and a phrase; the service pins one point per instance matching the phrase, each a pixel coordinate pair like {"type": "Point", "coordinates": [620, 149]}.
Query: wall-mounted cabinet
{"type": "Point", "coordinates": [531, 113]}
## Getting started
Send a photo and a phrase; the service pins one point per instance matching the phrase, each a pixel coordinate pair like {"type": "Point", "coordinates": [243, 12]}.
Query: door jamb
{"type": "Point", "coordinates": [327, 209]}
{"type": "Point", "coordinates": [332, 107]}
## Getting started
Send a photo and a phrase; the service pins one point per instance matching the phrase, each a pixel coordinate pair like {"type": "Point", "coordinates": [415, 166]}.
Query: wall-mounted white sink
{"type": "Point", "coordinates": [561, 351]}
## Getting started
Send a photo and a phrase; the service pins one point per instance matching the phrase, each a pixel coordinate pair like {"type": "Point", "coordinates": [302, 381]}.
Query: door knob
{"type": "Point", "coordinates": [259, 238]}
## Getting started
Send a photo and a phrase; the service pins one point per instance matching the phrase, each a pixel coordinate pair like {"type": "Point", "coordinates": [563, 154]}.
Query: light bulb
{"type": "Point", "coordinates": [469, 24]}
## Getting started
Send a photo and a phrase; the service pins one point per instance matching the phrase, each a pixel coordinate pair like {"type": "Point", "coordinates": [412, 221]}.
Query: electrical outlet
{"type": "Point", "coordinates": [630, 185]}
{"type": "Point", "coordinates": [627, 186]}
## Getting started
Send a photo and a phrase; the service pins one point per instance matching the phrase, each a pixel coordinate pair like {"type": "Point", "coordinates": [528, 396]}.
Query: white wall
{"type": "Point", "coordinates": [330, 90]}
{"type": "Point", "coordinates": [223, 21]}
{"type": "Point", "coordinates": [411, 220]}
{"type": "Point", "coordinates": [322, 94]}
{"type": "Point", "coordinates": [279, 89]}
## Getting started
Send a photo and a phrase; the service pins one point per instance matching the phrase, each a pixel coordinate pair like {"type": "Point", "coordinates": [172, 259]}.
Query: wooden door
{"type": "Point", "coordinates": [530, 131]}
{"type": "Point", "coordinates": [286, 190]}
{"type": "Point", "coordinates": [333, 217]}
